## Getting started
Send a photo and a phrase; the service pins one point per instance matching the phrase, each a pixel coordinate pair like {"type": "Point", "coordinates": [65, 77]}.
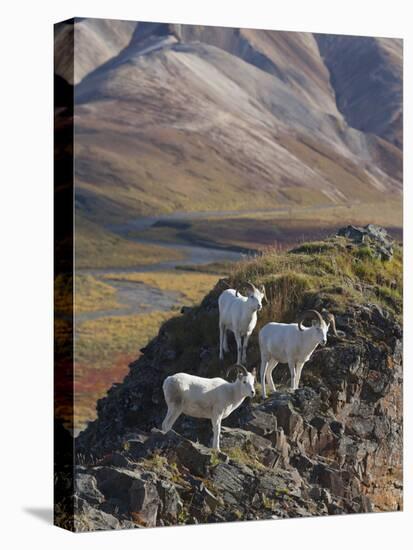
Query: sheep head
{"type": "Point", "coordinates": [255, 295]}
{"type": "Point", "coordinates": [240, 370]}
{"type": "Point", "coordinates": [245, 378]}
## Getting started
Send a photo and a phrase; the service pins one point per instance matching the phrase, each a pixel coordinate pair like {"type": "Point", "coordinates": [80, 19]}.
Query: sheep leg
{"type": "Point", "coordinates": [244, 348]}
{"type": "Point", "coordinates": [216, 427]}
{"type": "Point", "coordinates": [291, 366]}
{"type": "Point", "coordinates": [298, 370]}
{"type": "Point", "coordinates": [170, 418]}
{"type": "Point", "coordinates": [239, 347]}
{"type": "Point", "coordinates": [165, 423]}
{"type": "Point", "coordinates": [221, 341]}
{"type": "Point", "coordinates": [269, 378]}
{"type": "Point", "coordinates": [263, 372]}
{"type": "Point", "coordinates": [226, 348]}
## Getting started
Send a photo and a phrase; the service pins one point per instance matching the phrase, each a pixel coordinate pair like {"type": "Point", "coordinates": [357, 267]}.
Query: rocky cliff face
{"type": "Point", "coordinates": [333, 446]}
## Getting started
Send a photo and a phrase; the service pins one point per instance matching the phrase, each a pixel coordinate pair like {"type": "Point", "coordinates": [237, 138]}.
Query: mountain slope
{"type": "Point", "coordinates": [292, 57]}
{"type": "Point", "coordinates": [169, 125]}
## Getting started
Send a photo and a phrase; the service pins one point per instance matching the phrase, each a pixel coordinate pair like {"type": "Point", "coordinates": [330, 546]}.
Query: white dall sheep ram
{"type": "Point", "coordinates": [239, 314]}
{"type": "Point", "coordinates": [292, 344]}
{"type": "Point", "coordinates": [212, 398]}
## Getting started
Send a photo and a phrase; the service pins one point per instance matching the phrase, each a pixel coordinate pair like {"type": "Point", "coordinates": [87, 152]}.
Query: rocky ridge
{"type": "Point", "coordinates": [332, 447]}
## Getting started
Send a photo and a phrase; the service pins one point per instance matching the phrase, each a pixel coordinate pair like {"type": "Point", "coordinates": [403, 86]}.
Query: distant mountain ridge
{"type": "Point", "coordinates": [190, 117]}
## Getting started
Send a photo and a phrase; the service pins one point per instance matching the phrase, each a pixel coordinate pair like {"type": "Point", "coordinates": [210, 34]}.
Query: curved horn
{"type": "Point", "coordinates": [309, 314]}
{"type": "Point", "coordinates": [238, 368]}
{"type": "Point", "coordinates": [262, 290]}
{"type": "Point", "coordinates": [249, 285]}
{"type": "Point", "coordinates": [237, 290]}
{"type": "Point", "coordinates": [331, 319]}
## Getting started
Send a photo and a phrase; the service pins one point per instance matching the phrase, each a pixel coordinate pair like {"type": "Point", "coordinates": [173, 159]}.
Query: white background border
{"type": "Point", "coordinates": [26, 205]}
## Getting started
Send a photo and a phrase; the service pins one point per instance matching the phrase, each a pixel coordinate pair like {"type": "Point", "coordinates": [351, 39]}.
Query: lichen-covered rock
{"type": "Point", "coordinates": [144, 501]}
{"type": "Point", "coordinates": [89, 518]}
{"type": "Point", "coordinates": [86, 488]}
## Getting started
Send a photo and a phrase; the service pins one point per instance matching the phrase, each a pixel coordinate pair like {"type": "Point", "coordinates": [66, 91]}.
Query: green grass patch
{"type": "Point", "coordinates": [364, 253]}
{"type": "Point", "coordinates": [319, 247]}
{"type": "Point", "coordinates": [337, 273]}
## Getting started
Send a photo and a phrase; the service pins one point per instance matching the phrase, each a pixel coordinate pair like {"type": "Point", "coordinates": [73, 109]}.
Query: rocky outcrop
{"type": "Point", "coordinates": [373, 236]}
{"type": "Point", "coordinates": [333, 446]}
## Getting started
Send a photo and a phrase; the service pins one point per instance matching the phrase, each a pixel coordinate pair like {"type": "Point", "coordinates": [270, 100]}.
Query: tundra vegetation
{"type": "Point", "coordinates": [104, 346]}
{"type": "Point", "coordinates": [97, 247]}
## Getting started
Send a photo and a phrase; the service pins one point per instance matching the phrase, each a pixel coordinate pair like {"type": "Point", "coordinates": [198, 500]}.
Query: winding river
{"type": "Point", "coordinates": [136, 297]}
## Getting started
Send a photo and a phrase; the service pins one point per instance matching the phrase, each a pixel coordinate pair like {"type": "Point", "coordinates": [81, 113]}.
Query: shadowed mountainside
{"type": "Point", "coordinates": [366, 74]}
